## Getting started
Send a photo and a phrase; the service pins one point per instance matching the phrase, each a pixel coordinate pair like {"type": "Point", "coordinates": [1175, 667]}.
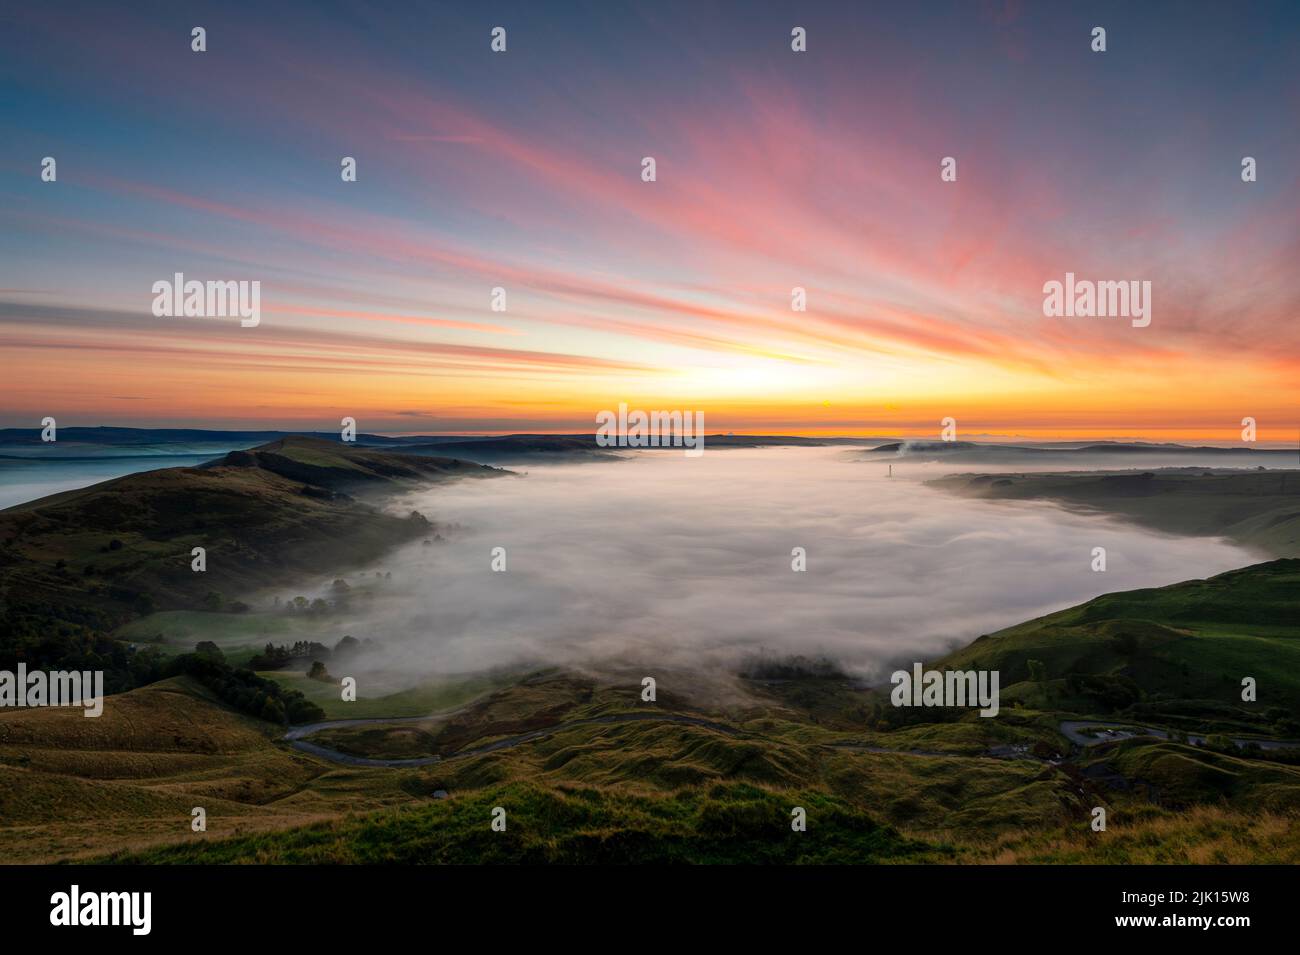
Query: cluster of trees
{"type": "Point", "coordinates": [275, 657]}
{"type": "Point", "coordinates": [215, 602]}
{"type": "Point", "coordinates": [301, 604]}
{"type": "Point", "coordinates": [765, 666]}
{"type": "Point", "coordinates": [318, 671]}
{"type": "Point", "coordinates": [244, 689]}
{"type": "Point", "coordinates": [66, 636]}
{"type": "Point", "coordinates": [341, 599]}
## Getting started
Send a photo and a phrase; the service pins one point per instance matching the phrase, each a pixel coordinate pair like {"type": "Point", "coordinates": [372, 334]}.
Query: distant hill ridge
{"type": "Point", "coordinates": [1258, 508]}
{"type": "Point", "coordinates": [342, 466]}
{"type": "Point", "coordinates": [1103, 447]}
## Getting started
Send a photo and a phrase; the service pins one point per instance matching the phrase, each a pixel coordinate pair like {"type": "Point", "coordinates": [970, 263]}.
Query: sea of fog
{"type": "Point", "coordinates": [660, 559]}
{"type": "Point", "coordinates": [656, 558]}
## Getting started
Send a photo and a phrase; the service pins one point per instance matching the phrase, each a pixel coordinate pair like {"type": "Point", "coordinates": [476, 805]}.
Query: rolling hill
{"type": "Point", "coordinates": [1176, 654]}
{"type": "Point", "coordinates": [76, 565]}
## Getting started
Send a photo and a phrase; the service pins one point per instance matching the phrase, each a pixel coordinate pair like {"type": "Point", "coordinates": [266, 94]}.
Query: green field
{"type": "Point", "coordinates": [428, 697]}
{"type": "Point", "coordinates": [1179, 652]}
{"type": "Point", "coordinates": [184, 628]}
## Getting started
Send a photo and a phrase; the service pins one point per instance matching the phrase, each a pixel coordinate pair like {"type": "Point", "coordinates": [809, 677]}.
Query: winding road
{"type": "Point", "coordinates": [1071, 730]}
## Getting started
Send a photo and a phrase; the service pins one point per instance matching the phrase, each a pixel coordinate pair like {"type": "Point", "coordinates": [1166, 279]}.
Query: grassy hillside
{"type": "Point", "coordinates": [120, 788]}
{"type": "Point", "coordinates": [726, 823]}
{"type": "Point", "coordinates": [1177, 652]}
{"type": "Point", "coordinates": [1260, 509]}
{"type": "Point", "coordinates": [76, 565]}
{"type": "Point", "coordinates": [342, 467]}
{"type": "Point", "coordinates": [71, 786]}
{"type": "Point", "coordinates": [648, 791]}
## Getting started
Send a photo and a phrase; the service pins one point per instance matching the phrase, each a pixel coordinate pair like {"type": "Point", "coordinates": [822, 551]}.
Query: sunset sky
{"type": "Point", "coordinates": [775, 170]}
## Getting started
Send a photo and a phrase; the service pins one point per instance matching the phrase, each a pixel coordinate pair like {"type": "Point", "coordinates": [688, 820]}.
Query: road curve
{"type": "Point", "coordinates": [1070, 729]}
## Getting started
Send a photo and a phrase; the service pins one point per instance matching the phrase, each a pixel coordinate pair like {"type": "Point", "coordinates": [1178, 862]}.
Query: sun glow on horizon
{"type": "Point", "coordinates": [921, 298]}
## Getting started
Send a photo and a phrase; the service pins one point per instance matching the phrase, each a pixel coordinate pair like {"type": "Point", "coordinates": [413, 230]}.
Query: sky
{"type": "Point", "coordinates": [774, 170]}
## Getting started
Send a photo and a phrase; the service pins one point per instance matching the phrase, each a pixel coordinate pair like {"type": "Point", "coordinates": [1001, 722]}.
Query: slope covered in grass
{"type": "Point", "coordinates": [72, 786]}
{"type": "Point", "coordinates": [1180, 650]}
{"type": "Point", "coordinates": [726, 823]}
{"type": "Point", "coordinates": [77, 565]}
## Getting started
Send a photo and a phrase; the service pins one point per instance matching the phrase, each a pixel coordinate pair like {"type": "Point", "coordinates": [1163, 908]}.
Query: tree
{"type": "Point", "coordinates": [1037, 671]}
{"type": "Point", "coordinates": [318, 672]}
{"type": "Point", "coordinates": [300, 710]}
{"type": "Point", "coordinates": [206, 648]}
{"type": "Point", "coordinates": [272, 711]}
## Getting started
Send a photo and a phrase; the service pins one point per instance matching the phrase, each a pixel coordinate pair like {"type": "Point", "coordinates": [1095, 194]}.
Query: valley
{"type": "Point", "coordinates": [1130, 701]}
